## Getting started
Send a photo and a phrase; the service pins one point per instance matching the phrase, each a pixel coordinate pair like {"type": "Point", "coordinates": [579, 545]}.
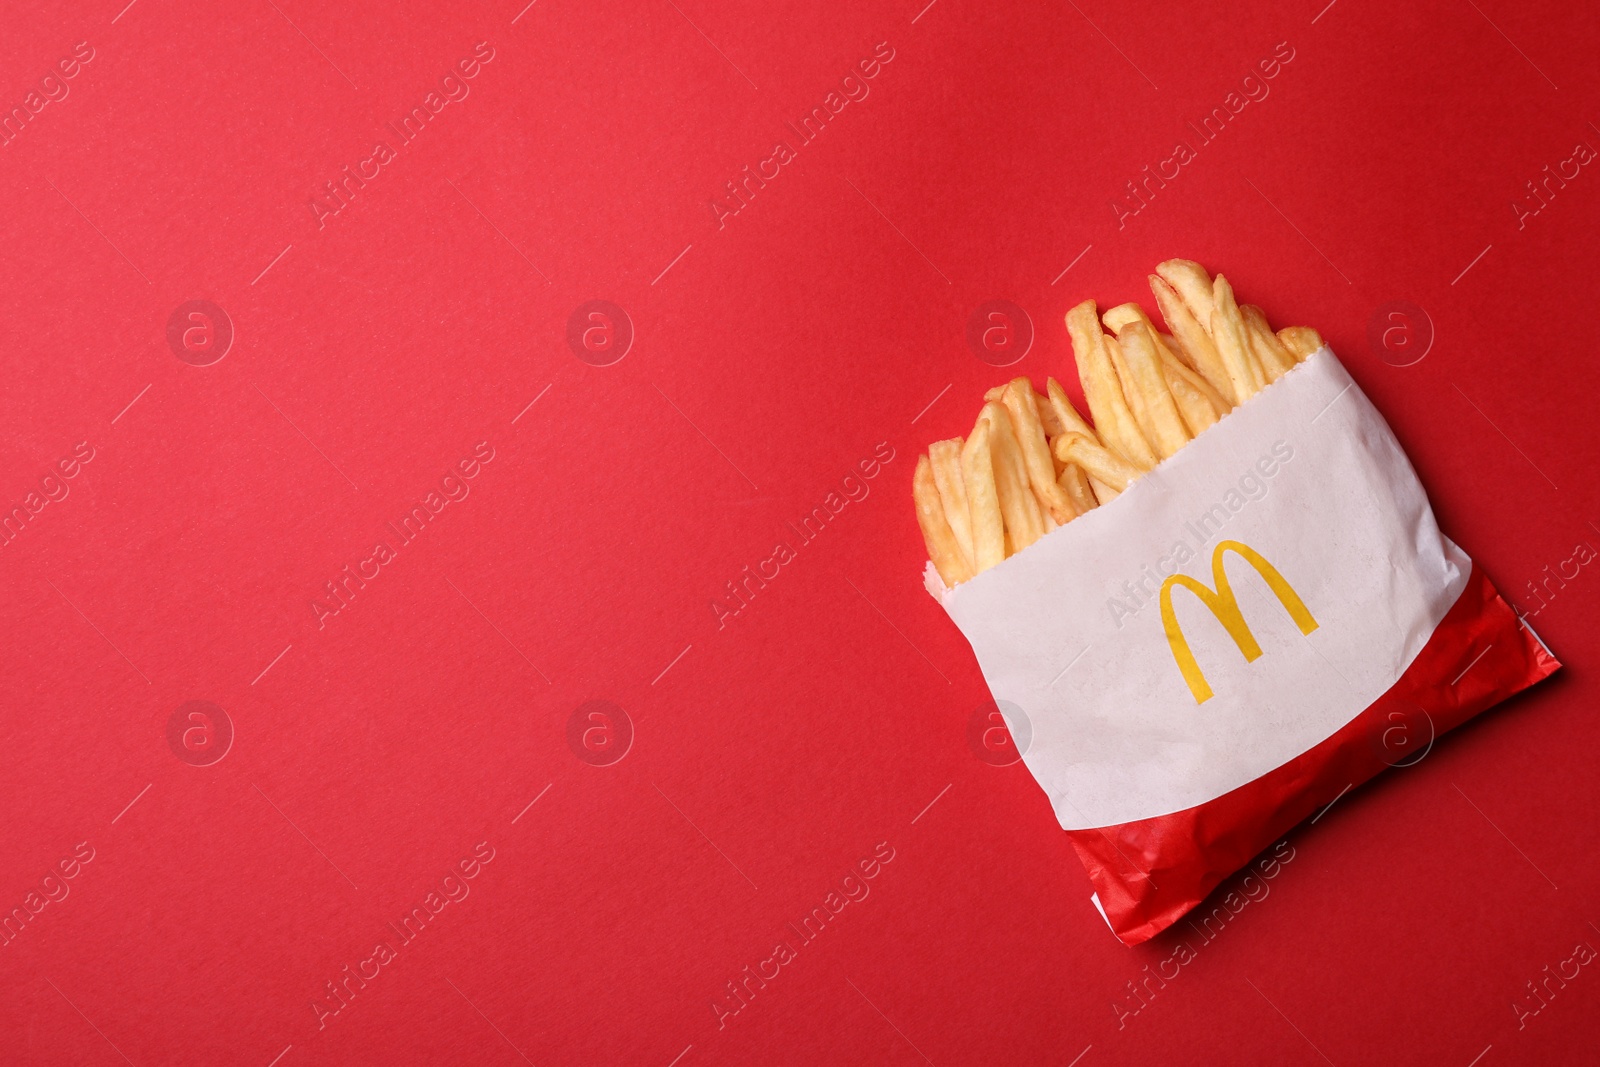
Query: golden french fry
{"type": "Point", "coordinates": [1048, 418]}
{"type": "Point", "coordinates": [1066, 414]}
{"type": "Point", "coordinates": [1066, 418]}
{"type": "Point", "coordinates": [1117, 318]}
{"type": "Point", "coordinates": [1024, 412]}
{"type": "Point", "coordinates": [1103, 390]}
{"type": "Point", "coordinates": [1227, 333]}
{"type": "Point", "coordinates": [942, 548]}
{"type": "Point", "coordinates": [945, 457]}
{"type": "Point", "coordinates": [1193, 284]}
{"type": "Point", "coordinates": [1273, 358]}
{"type": "Point", "coordinates": [1122, 316]}
{"type": "Point", "coordinates": [1177, 368]}
{"type": "Point", "coordinates": [1024, 523]}
{"type": "Point", "coordinates": [1075, 483]}
{"type": "Point", "coordinates": [1301, 340]}
{"type": "Point", "coordinates": [1164, 427]}
{"type": "Point", "coordinates": [1190, 394]}
{"type": "Point", "coordinates": [983, 501]}
{"type": "Point", "coordinates": [1194, 344]}
{"type": "Point", "coordinates": [1256, 370]}
{"type": "Point", "coordinates": [1190, 375]}
{"type": "Point", "coordinates": [1130, 393]}
{"type": "Point", "coordinates": [1172, 346]}
{"type": "Point", "coordinates": [1097, 461]}
{"type": "Point", "coordinates": [1103, 492]}
{"type": "Point", "coordinates": [997, 393]}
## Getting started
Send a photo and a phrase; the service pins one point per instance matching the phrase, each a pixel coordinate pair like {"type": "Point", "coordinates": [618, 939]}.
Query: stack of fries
{"type": "Point", "coordinates": [1032, 463]}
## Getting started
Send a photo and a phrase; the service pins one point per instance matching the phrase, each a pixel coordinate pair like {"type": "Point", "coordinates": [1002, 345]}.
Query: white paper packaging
{"type": "Point", "coordinates": [1307, 476]}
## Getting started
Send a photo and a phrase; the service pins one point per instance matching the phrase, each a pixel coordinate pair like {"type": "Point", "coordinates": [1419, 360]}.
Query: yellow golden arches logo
{"type": "Point", "coordinates": [1225, 606]}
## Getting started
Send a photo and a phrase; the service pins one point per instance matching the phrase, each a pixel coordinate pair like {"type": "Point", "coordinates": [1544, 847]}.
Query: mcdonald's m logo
{"type": "Point", "coordinates": [1222, 603]}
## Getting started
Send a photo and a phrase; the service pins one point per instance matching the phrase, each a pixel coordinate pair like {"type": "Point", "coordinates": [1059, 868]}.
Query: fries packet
{"type": "Point", "coordinates": [1268, 618]}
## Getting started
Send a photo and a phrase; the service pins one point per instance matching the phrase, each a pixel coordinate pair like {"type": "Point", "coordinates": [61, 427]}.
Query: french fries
{"type": "Point", "coordinates": [1169, 346]}
{"type": "Point", "coordinates": [1102, 388]}
{"type": "Point", "coordinates": [977, 474]}
{"type": "Point", "coordinates": [945, 457]}
{"type": "Point", "coordinates": [1117, 318]}
{"type": "Point", "coordinates": [1194, 345]}
{"type": "Point", "coordinates": [1023, 522]}
{"type": "Point", "coordinates": [948, 559]}
{"type": "Point", "coordinates": [1300, 340]}
{"type": "Point", "coordinates": [1272, 356]}
{"type": "Point", "coordinates": [1193, 284]}
{"type": "Point", "coordinates": [1024, 411]}
{"type": "Point", "coordinates": [1076, 484]}
{"type": "Point", "coordinates": [1098, 460]}
{"type": "Point", "coordinates": [1033, 463]}
{"type": "Point", "coordinates": [1227, 333]}
{"type": "Point", "coordinates": [1103, 492]}
{"type": "Point", "coordinates": [1146, 378]}
{"type": "Point", "coordinates": [1049, 418]}
{"type": "Point", "coordinates": [1198, 403]}
{"type": "Point", "coordinates": [1066, 414]}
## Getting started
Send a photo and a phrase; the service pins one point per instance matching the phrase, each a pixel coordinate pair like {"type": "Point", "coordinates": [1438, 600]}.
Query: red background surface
{"type": "Point", "coordinates": [773, 753]}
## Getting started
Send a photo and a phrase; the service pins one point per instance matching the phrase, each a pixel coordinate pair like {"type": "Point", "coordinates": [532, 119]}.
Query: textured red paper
{"type": "Point", "coordinates": [770, 756]}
